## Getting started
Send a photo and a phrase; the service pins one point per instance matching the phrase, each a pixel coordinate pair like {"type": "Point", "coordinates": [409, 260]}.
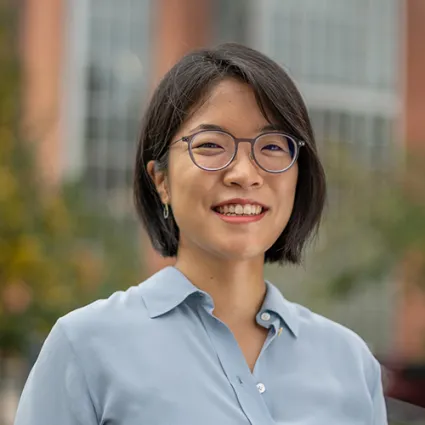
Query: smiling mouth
{"type": "Point", "coordinates": [238, 210]}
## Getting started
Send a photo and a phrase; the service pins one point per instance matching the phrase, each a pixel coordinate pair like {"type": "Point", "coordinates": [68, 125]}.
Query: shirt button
{"type": "Point", "coordinates": [261, 388]}
{"type": "Point", "coordinates": [265, 317]}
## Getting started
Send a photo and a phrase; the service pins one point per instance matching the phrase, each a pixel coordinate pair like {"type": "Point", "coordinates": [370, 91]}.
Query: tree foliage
{"type": "Point", "coordinates": [375, 227]}
{"type": "Point", "coordinates": [55, 253]}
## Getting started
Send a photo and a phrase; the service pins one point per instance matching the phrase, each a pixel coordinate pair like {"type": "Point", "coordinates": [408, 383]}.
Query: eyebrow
{"type": "Point", "coordinates": [215, 127]}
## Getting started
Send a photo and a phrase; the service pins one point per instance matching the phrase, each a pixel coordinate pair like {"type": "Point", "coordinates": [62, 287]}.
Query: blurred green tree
{"type": "Point", "coordinates": [373, 228]}
{"type": "Point", "coordinates": [56, 253]}
{"type": "Point", "coordinates": [377, 228]}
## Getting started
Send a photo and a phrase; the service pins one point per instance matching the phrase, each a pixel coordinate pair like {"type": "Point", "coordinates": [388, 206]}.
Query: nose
{"type": "Point", "coordinates": [243, 171]}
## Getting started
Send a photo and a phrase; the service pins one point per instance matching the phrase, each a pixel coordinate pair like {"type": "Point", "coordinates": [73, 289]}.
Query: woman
{"type": "Point", "coordinates": [227, 178]}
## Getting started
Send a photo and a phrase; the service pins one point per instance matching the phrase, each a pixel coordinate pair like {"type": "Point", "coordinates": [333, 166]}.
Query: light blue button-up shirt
{"type": "Point", "coordinates": [156, 355]}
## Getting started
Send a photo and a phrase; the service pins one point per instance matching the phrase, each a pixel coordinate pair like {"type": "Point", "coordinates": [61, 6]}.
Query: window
{"type": "Point", "coordinates": [343, 56]}
{"type": "Point", "coordinates": [114, 71]}
{"type": "Point", "coordinates": [230, 21]}
{"type": "Point", "coordinates": [340, 42]}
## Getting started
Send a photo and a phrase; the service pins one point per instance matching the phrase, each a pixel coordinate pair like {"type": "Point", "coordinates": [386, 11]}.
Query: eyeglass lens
{"type": "Point", "coordinates": [213, 150]}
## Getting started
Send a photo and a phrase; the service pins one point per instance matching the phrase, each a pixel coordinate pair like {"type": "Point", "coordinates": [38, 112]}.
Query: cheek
{"type": "Point", "coordinates": [286, 190]}
{"type": "Point", "coordinates": [188, 187]}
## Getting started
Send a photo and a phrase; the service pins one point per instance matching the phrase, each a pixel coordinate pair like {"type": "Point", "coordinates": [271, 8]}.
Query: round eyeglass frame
{"type": "Point", "coordinates": [188, 139]}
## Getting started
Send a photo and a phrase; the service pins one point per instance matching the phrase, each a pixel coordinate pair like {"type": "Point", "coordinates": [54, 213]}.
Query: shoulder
{"type": "Point", "coordinates": [104, 319]}
{"type": "Point", "coordinates": [337, 343]}
{"type": "Point", "coordinates": [126, 316]}
{"type": "Point", "coordinates": [322, 327]}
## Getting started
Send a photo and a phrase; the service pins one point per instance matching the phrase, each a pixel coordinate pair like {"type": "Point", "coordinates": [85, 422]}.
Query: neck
{"type": "Point", "coordinates": [236, 287]}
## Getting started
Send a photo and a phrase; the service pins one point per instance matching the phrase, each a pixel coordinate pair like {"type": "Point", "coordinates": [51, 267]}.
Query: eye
{"type": "Point", "coordinates": [209, 145]}
{"type": "Point", "coordinates": [272, 147]}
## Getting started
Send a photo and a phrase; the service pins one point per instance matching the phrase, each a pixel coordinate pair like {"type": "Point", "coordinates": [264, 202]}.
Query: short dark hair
{"type": "Point", "coordinates": [182, 89]}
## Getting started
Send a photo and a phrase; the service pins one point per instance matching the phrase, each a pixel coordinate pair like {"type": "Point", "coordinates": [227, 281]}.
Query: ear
{"type": "Point", "coordinates": [160, 180]}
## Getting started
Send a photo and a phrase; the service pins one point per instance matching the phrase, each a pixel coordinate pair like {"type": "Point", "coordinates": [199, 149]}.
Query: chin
{"type": "Point", "coordinates": [239, 252]}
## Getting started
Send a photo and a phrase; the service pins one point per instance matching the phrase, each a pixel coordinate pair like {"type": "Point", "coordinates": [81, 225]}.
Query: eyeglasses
{"type": "Point", "coordinates": [213, 150]}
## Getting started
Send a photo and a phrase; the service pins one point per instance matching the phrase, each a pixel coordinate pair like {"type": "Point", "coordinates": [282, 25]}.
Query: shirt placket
{"type": "Point", "coordinates": [260, 373]}
{"type": "Point", "coordinates": [249, 391]}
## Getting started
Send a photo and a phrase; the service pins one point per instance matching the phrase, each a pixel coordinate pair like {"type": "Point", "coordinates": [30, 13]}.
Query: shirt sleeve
{"type": "Point", "coordinates": [56, 391]}
{"type": "Point", "coordinates": [379, 407]}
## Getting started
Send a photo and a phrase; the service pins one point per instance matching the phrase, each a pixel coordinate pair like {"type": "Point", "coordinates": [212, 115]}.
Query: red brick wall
{"type": "Point", "coordinates": [42, 48]}
{"type": "Point", "coordinates": [409, 340]}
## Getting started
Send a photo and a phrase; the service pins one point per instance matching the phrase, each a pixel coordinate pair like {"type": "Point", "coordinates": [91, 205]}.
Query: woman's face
{"type": "Point", "coordinates": [193, 193]}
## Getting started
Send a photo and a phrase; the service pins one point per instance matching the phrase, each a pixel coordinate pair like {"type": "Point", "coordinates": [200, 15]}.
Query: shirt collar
{"type": "Point", "coordinates": [168, 288]}
{"type": "Point", "coordinates": [277, 303]}
{"type": "Point", "coordinates": [165, 290]}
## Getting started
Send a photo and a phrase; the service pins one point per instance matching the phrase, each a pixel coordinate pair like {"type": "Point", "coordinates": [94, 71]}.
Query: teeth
{"type": "Point", "coordinates": [237, 209]}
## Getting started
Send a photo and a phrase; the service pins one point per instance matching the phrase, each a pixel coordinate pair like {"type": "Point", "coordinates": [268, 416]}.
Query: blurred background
{"type": "Point", "coordinates": [75, 78]}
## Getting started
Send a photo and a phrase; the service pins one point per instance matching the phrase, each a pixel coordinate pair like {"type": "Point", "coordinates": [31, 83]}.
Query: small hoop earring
{"type": "Point", "coordinates": [166, 211]}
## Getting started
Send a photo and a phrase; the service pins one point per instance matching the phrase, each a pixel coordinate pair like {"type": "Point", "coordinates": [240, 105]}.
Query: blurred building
{"type": "Point", "coordinates": [90, 65]}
